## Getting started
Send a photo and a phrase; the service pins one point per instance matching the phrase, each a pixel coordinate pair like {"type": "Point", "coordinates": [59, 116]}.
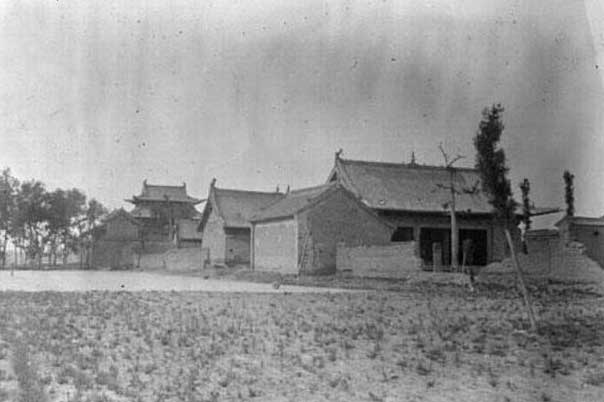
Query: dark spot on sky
{"type": "Point", "coordinates": [597, 67]}
{"type": "Point", "coordinates": [393, 59]}
{"type": "Point", "coordinates": [137, 111]}
{"type": "Point", "coordinates": [138, 21]}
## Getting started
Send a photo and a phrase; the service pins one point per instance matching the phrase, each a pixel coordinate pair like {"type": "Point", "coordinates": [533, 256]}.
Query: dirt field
{"type": "Point", "coordinates": [79, 281]}
{"type": "Point", "coordinates": [433, 343]}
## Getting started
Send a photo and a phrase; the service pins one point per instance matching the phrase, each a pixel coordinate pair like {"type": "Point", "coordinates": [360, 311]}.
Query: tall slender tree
{"type": "Point", "coordinates": [491, 162]}
{"type": "Point", "coordinates": [569, 192]}
{"type": "Point", "coordinates": [525, 187]}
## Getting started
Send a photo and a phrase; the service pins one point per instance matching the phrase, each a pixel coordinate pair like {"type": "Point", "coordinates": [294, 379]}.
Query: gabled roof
{"type": "Point", "coordinates": [236, 207]}
{"type": "Point", "coordinates": [410, 187]}
{"type": "Point", "coordinates": [120, 213]}
{"type": "Point", "coordinates": [187, 229]}
{"type": "Point", "coordinates": [300, 200]}
{"type": "Point", "coordinates": [293, 202]}
{"type": "Point", "coordinates": [582, 221]}
{"type": "Point", "coordinates": [154, 192]}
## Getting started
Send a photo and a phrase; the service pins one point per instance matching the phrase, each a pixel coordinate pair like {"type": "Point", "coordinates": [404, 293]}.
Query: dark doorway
{"type": "Point", "coordinates": [402, 234]}
{"type": "Point", "coordinates": [429, 236]}
{"type": "Point", "coordinates": [479, 245]}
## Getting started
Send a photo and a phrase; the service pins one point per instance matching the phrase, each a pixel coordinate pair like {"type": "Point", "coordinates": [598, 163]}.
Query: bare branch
{"type": "Point", "coordinates": [445, 155]}
{"type": "Point", "coordinates": [458, 157]}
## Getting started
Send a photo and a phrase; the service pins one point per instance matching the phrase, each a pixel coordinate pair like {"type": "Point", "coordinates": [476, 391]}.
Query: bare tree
{"type": "Point", "coordinates": [454, 189]}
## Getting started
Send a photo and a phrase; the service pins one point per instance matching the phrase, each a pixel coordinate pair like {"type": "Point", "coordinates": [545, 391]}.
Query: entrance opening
{"type": "Point", "coordinates": [478, 251]}
{"type": "Point", "coordinates": [402, 234]}
{"type": "Point", "coordinates": [427, 238]}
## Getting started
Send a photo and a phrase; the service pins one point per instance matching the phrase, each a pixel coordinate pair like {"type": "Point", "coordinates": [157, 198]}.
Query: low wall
{"type": "Point", "coordinates": [183, 259]}
{"type": "Point", "coordinates": [115, 254]}
{"type": "Point", "coordinates": [157, 247]}
{"type": "Point", "coordinates": [391, 261]}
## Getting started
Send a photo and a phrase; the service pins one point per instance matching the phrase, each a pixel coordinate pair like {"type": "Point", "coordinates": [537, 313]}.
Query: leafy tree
{"type": "Point", "coordinates": [65, 209]}
{"type": "Point", "coordinates": [569, 193]}
{"type": "Point", "coordinates": [525, 187]}
{"type": "Point", "coordinates": [8, 190]}
{"type": "Point", "coordinates": [31, 219]}
{"type": "Point", "coordinates": [491, 162]}
{"type": "Point", "coordinates": [92, 219]}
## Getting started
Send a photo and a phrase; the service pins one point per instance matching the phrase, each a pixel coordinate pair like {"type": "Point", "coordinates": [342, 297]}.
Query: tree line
{"type": "Point", "coordinates": [41, 223]}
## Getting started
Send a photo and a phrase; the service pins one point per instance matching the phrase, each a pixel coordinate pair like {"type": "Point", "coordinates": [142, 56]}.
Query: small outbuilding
{"type": "Point", "coordinates": [225, 223]}
{"type": "Point", "coordinates": [300, 233]}
{"type": "Point", "coordinates": [116, 241]}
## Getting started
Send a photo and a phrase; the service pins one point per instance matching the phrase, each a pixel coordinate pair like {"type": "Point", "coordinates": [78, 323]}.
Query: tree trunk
{"type": "Point", "coordinates": [525, 294]}
{"type": "Point", "coordinates": [4, 247]}
{"type": "Point", "coordinates": [454, 240]}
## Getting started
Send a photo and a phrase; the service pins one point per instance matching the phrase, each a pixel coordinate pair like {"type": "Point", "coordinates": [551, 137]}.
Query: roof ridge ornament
{"type": "Point", "coordinates": [338, 153]}
{"type": "Point", "coordinates": [413, 162]}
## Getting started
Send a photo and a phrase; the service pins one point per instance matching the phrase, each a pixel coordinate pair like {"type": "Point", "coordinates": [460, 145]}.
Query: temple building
{"type": "Point", "coordinates": [159, 208]}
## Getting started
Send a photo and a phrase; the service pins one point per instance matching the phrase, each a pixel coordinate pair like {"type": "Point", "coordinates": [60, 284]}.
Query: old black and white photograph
{"type": "Point", "coordinates": [311, 200]}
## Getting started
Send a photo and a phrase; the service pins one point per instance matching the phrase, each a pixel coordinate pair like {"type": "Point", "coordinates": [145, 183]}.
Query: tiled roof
{"type": "Point", "coordinates": [153, 192]}
{"type": "Point", "coordinates": [187, 229]}
{"type": "Point", "coordinates": [141, 212]}
{"type": "Point", "coordinates": [236, 207]}
{"type": "Point", "coordinates": [120, 213]}
{"type": "Point", "coordinates": [293, 202]}
{"type": "Point", "coordinates": [410, 187]}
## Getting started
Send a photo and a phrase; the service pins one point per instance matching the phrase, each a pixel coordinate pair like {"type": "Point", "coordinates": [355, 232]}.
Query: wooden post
{"type": "Point", "coordinates": [525, 294]}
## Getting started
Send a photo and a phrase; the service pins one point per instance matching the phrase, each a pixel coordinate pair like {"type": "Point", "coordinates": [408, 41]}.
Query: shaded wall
{"type": "Point", "coordinates": [337, 219]}
{"type": "Point", "coordinates": [237, 245]}
{"type": "Point", "coordinates": [497, 248]}
{"type": "Point", "coordinates": [213, 238]}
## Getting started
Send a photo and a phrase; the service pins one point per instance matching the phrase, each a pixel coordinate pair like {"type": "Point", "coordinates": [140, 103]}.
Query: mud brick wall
{"type": "Point", "coordinates": [116, 254]}
{"type": "Point", "coordinates": [182, 259]}
{"type": "Point", "coordinates": [214, 239]}
{"type": "Point", "coordinates": [337, 219]}
{"type": "Point", "coordinates": [237, 244]}
{"type": "Point", "coordinates": [275, 248]}
{"type": "Point", "coordinates": [392, 261]}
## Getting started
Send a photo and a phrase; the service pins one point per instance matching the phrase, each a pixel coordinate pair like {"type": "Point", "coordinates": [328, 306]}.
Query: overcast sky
{"type": "Point", "coordinates": [260, 93]}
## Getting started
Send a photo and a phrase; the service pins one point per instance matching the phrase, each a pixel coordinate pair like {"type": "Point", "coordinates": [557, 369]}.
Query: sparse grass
{"type": "Point", "coordinates": [196, 346]}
